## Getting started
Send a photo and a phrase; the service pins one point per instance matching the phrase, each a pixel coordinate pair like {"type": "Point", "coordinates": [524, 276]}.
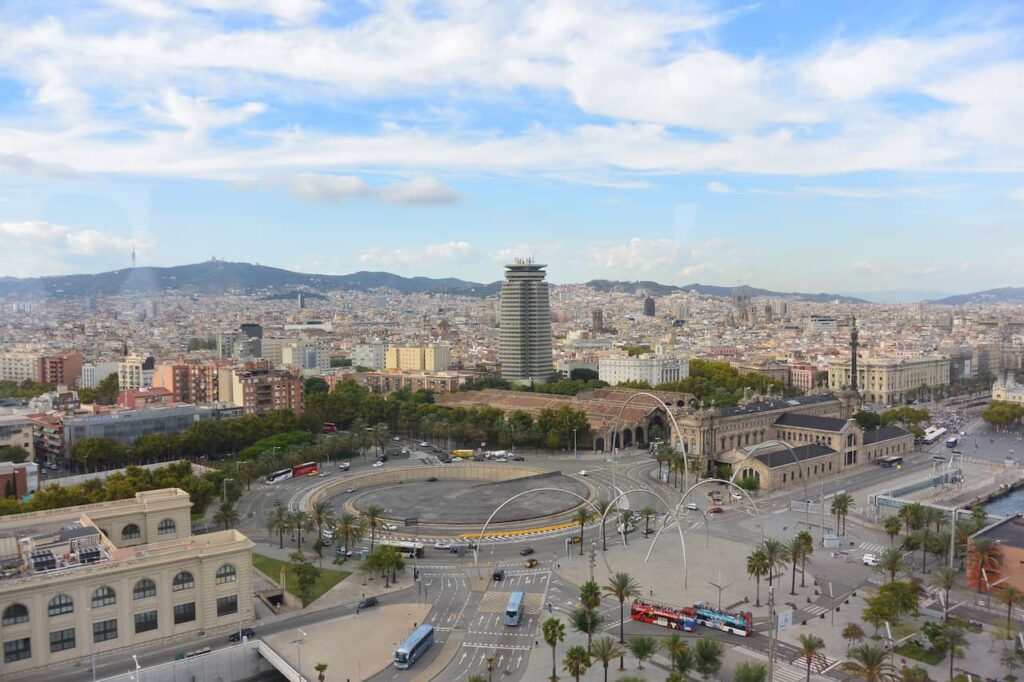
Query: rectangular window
{"type": "Point", "coordinates": [185, 613]}
{"type": "Point", "coordinates": [17, 650]}
{"type": "Point", "coordinates": [227, 605]}
{"type": "Point", "coordinates": [62, 639]}
{"type": "Point", "coordinates": [145, 621]}
{"type": "Point", "coordinates": [104, 630]}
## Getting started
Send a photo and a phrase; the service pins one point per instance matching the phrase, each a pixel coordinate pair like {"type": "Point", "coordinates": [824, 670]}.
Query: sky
{"type": "Point", "coordinates": [796, 145]}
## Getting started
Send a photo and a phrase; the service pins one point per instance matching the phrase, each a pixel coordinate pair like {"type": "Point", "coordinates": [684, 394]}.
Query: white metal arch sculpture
{"type": "Point", "coordinates": [796, 460]}
{"type": "Point", "coordinates": [676, 433]}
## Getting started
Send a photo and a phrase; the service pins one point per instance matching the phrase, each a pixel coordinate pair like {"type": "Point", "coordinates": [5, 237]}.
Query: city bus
{"type": "Point", "coordinates": [278, 476]}
{"type": "Point", "coordinates": [675, 617]}
{"type": "Point", "coordinates": [739, 623]}
{"type": "Point", "coordinates": [891, 462]}
{"type": "Point", "coordinates": [514, 610]}
{"type": "Point", "coordinates": [307, 469]}
{"type": "Point", "coordinates": [409, 550]}
{"type": "Point", "coordinates": [414, 646]}
{"type": "Point", "coordinates": [952, 442]}
{"type": "Point", "coordinates": [932, 434]}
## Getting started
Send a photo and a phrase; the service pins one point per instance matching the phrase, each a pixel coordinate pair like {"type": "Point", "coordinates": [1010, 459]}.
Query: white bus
{"type": "Point", "coordinates": [278, 476]}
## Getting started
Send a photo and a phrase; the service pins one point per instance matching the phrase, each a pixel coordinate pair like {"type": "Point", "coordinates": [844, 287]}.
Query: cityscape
{"type": "Point", "coordinates": [500, 342]}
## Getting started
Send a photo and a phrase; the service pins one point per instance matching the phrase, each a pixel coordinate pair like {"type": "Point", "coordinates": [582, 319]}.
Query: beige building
{"type": "Point", "coordinates": [19, 366]}
{"type": "Point", "coordinates": [105, 577]}
{"type": "Point", "coordinates": [17, 431]}
{"type": "Point", "coordinates": [135, 372]}
{"type": "Point", "coordinates": [258, 390]}
{"type": "Point", "coordinates": [886, 381]}
{"type": "Point", "coordinates": [436, 357]}
{"type": "Point", "coordinates": [1008, 391]}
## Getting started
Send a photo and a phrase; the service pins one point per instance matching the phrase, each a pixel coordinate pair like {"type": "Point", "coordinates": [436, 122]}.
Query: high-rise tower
{"type": "Point", "coordinates": [525, 349]}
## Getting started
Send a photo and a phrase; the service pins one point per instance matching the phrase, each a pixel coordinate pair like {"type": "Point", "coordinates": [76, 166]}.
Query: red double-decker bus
{"type": "Point", "coordinates": [665, 615]}
{"type": "Point", "coordinates": [330, 427]}
{"type": "Point", "coordinates": [307, 469]}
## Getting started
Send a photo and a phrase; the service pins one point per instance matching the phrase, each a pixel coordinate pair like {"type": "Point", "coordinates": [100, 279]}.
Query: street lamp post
{"type": "Point", "coordinates": [92, 646]}
{"type": "Point", "coordinates": [575, 450]}
{"type": "Point", "coordinates": [224, 488]}
{"type": "Point", "coordinates": [138, 668]}
{"type": "Point", "coordinates": [298, 648]}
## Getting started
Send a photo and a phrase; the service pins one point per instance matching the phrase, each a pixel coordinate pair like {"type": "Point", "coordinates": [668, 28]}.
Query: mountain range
{"type": "Point", "coordinates": [218, 276]}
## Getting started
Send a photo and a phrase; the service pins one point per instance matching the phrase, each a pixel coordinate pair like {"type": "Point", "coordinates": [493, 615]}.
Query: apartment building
{"type": "Point", "coordinates": [437, 357]}
{"type": "Point", "coordinates": [259, 389]}
{"type": "Point", "coordinates": [19, 366]}
{"type": "Point", "coordinates": [805, 376]}
{"type": "Point", "coordinates": [395, 380]}
{"type": "Point", "coordinates": [92, 374]}
{"type": "Point", "coordinates": [127, 426]}
{"type": "Point", "coordinates": [101, 578]}
{"type": "Point", "coordinates": [135, 372]}
{"type": "Point", "coordinates": [18, 480]}
{"type": "Point", "coordinates": [371, 355]}
{"type": "Point", "coordinates": [653, 368]}
{"type": "Point", "coordinates": [309, 357]}
{"type": "Point", "coordinates": [62, 369]}
{"type": "Point", "coordinates": [886, 381]}
{"type": "Point", "coordinates": [188, 382]}
{"type": "Point", "coordinates": [16, 432]}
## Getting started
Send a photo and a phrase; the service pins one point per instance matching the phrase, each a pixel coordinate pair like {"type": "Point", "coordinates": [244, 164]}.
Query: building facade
{"type": "Point", "coordinates": [396, 380]}
{"type": "Point", "coordinates": [135, 372]}
{"type": "Point", "coordinates": [650, 367]}
{"type": "Point", "coordinates": [92, 374]}
{"type": "Point", "coordinates": [259, 390]}
{"type": "Point", "coordinates": [62, 369]}
{"type": "Point", "coordinates": [886, 381]}
{"type": "Point", "coordinates": [19, 366]}
{"type": "Point", "coordinates": [128, 425]}
{"type": "Point", "coordinates": [649, 307]}
{"type": "Point", "coordinates": [101, 578]}
{"type": "Point", "coordinates": [525, 334]}
{"type": "Point", "coordinates": [188, 382]}
{"type": "Point", "coordinates": [1008, 391]}
{"type": "Point", "coordinates": [16, 432]}
{"type": "Point", "coordinates": [371, 355]}
{"type": "Point", "coordinates": [437, 357]}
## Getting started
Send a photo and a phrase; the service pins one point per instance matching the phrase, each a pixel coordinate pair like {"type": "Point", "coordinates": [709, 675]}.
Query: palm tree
{"type": "Point", "coordinates": [606, 650]}
{"type": "Point", "coordinates": [892, 526]}
{"type": "Point", "coordinates": [622, 586]}
{"type": "Point", "coordinates": [642, 648]}
{"type": "Point", "coordinates": [626, 517]}
{"type": "Point", "coordinates": [576, 661]}
{"type": "Point", "coordinates": [808, 548]}
{"type": "Point", "coordinates": [853, 633]}
{"type": "Point", "coordinates": [554, 632]}
{"type": "Point", "coordinates": [870, 663]}
{"type": "Point", "coordinates": [986, 553]}
{"type": "Point", "coordinates": [795, 550]}
{"type": "Point", "coordinates": [944, 579]}
{"type": "Point", "coordinates": [750, 671]}
{"type": "Point", "coordinates": [891, 562]}
{"type": "Point", "coordinates": [374, 515]}
{"type": "Point", "coordinates": [351, 528]}
{"type": "Point", "coordinates": [581, 517]}
{"type": "Point", "coordinates": [955, 640]}
{"type": "Point", "coordinates": [380, 435]}
{"type": "Point", "coordinates": [674, 645]}
{"type": "Point", "coordinates": [647, 513]}
{"type": "Point", "coordinates": [841, 505]}
{"type": "Point", "coordinates": [708, 654]}
{"type": "Point", "coordinates": [1011, 596]}
{"type": "Point", "coordinates": [226, 514]}
{"type": "Point", "coordinates": [320, 669]}
{"type": "Point", "coordinates": [911, 515]}
{"type": "Point", "coordinates": [810, 645]}
{"type": "Point", "coordinates": [758, 566]}
{"type": "Point", "coordinates": [777, 555]}
{"type": "Point", "coordinates": [585, 620]}
{"type": "Point", "coordinates": [603, 507]}
{"type": "Point", "coordinates": [322, 515]}
{"type": "Point", "coordinates": [277, 522]}
{"type": "Point", "coordinates": [300, 523]}
{"type": "Point", "coordinates": [590, 595]}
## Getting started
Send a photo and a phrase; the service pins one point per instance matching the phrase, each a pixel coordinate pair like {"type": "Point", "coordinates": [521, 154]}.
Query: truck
{"type": "Point", "coordinates": [462, 454]}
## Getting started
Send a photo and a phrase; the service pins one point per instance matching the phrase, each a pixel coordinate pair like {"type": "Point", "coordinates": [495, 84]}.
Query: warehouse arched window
{"type": "Point", "coordinates": [130, 532]}
{"type": "Point", "coordinates": [226, 574]}
{"type": "Point", "coordinates": [61, 604]}
{"type": "Point", "coordinates": [166, 527]}
{"type": "Point", "coordinates": [103, 596]}
{"type": "Point", "coordinates": [14, 614]}
{"type": "Point", "coordinates": [183, 581]}
{"type": "Point", "coordinates": [144, 589]}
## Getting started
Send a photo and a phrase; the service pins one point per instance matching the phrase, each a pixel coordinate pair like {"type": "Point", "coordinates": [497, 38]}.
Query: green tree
{"type": "Point", "coordinates": [626, 518]}
{"type": "Point", "coordinates": [350, 528]}
{"type": "Point", "coordinates": [622, 586]}
{"type": "Point", "coordinates": [13, 453]}
{"type": "Point", "coordinates": [944, 579]}
{"type": "Point", "coordinates": [554, 632]}
{"type": "Point", "coordinates": [841, 505]}
{"type": "Point", "coordinates": [606, 650]}
{"type": "Point", "coordinates": [647, 513]}
{"type": "Point", "coordinates": [581, 517]}
{"type": "Point", "coordinates": [986, 555]}
{"type": "Point", "coordinates": [675, 646]}
{"type": "Point", "coordinates": [853, 633]}
{"type": "Point", "coordinates": [777, 554]}
{"type": "Point", "coordinates": [315, 385]}
{"type": "Point", "coordinates": [106, 390]}
{"type": "Point", "coordinates": [892, 526]}
{"type": "Point", "coordinates": [586, 620]}
{"type": "Point", "coordinates": [374, 516]}
{"type": "Point", "coordinates": [322, 514]}
{"type": "Point", "coordinates": [1010, 596]}
{"type": "Point", "coordinates": [320, 669]}
{"type": "Point", "coordinates": [226, 514]}
{"type": "Point", "coordinates": [868, 420]}
{"type": "Point", "coordinates": [750, 671]}
{"type": "Point", "coordinates": [603, 508]}
{"type": "Point", "coordinates": [870, 663]}
{"type": "Point", "coordinates": [809, 647]}
{"type": "Point", "coordinates": [642, 648]}
{"type": "Point", "coordinates": [300, 523]}
{"type": "Point", "coordinates": [306, 574]}
{"type": "Point", "coordinates": [278, 523]}
{"type": "Point", "coordinates": [590, 595]}
{"type": "Point", "coordinates": [758, 567]}
{"type": "Point", "coordinates": [708, 655]}
{"type": "Point", "coordinates": [576, 661]}
{"type": "Point", "coordinates": [891, 562]}
{"type": "Point", "coordinates": [955, 642]}
{"type": "Point", "coordinates": [795, 549]}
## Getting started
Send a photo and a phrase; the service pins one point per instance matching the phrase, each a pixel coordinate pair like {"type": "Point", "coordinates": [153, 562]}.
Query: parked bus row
{"type": "Point", "coordinates": [305, 469]}
{"type": "Point", "coordinates": [686, 618]}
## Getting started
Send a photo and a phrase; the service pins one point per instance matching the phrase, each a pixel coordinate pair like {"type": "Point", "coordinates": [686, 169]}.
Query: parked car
{"type": "Point", "coordinates": [715, 510]}
{"type": "Point", "coordinates": [432, 479]}
{"type": "Point", "coordinates": [531, 563]}
{"type": "Point", "coordinates": [368, 602]}
{"type": "Point", "coordinates": [575, 540]}
{"type": "Point", "coordinates": [628, 529]}
{"type": "Point", "coordinates": [327, 534]}
{"type": "Point", "coordinates": [344, 466]}
{"type": "Point", "coordinates": [692, 506]}
{"type": "Point", "coordinates": [499, 574]}
{"type": "Point", "coordinates": [351, 490]}
{"type": "Point", "coordinates": [526, 551]}
{"type": "Point", "coordinates": [236, 636]}
{"type": "Point", "coordinates": [870, 560]}
{"type": "Point", "coordinates": [340, 551]}
{"type": "Point", "coordinates": [323, 472]}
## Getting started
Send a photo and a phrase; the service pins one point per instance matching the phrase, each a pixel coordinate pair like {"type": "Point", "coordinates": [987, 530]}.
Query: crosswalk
{"type": "Point", "coordinates": [815, 610]}
{"type": "Point", "coordinates": [872, 548]}
{"type": "Point", "coordinates": [784, 672]}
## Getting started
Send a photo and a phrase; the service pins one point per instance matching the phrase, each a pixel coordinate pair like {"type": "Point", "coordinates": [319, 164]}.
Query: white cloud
{"type": "Point", "coordinates": [38, 247]}
{"type": "Point", "coordinates": [423, 190]}
{"type": "Point", "coordinates": [718, 187]}
{"type": "Point", "coordinates": [330, 188]}
{"type": "Point", "coordinates": [1017, 194]}
{"type": "Point", "coordinates": [196, 115]}
{"type": "Point", "coordinates": [667, 259]}
{"type": "Point", "coordinates": [447, 253]}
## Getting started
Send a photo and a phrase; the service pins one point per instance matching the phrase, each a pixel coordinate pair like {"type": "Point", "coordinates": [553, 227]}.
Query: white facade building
{"type": "Point", "coordinates": [17, 366]}
{"type": "Point", "coordinates": [92, 374]}
{"type": "Point", "coordinates": [651, 367]}
{"type": "Point", "coordinates": [370, 354]}
{"type": "Point", "coordinates": [822, 324]}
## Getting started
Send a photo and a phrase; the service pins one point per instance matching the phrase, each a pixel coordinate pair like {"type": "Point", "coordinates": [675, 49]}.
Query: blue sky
{"type": "Point", "coordinates": [849, 147]}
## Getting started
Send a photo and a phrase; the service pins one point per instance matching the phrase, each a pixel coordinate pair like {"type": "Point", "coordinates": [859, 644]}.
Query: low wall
{"type": "Point", "coordinates": [230, 664]}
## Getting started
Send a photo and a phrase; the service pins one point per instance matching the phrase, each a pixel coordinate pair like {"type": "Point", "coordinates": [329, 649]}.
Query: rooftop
{"type": "Point", "coordinates": [780, 456]}
{"type": "Point", "coordinates": [782, 404]}
{"type": "Point", "coordinates": [1009, 531]}
{"type": "Point", "coordinates": [810, 421]}
{"type": "Point", "coordinates": [885, 433]}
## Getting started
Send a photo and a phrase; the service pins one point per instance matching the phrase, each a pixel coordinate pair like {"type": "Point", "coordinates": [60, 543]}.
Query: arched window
{"type": "Point", "coordinates": [130, 532]}
{"type": "Point", "coordinates": [14, 614]}
{"type": "Point", "coordinates": [166, 527]}
{"type": "Point", "coordinates": [103, 596]}
{"type": "Point", "coordinates": [144, 588]}
{"type": "Point", "coordinates": [183, 581]}
{"type": "Point", "coordinates": [226, 574]}
{"type": "Point", "coordinates": [61, 604]}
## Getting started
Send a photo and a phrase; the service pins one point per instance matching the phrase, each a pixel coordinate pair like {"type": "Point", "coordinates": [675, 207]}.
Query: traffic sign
{"type": "Point", "coordinates": [785, 620]}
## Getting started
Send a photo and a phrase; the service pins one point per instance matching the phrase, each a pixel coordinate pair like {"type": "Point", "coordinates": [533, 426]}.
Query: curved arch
{"type": "Point", "coordinates": [183, 581]}
{"type": "Point", "coordinates": [103, 596]}
{"type": "Point", "coordinates": [669, 510]}
{"type": "Point", "coordinates": [226, 574]}
{"type": "Point", "coordinates": [676, 433]}
{"type": "Point", "coordinates": [131, 531]}
{"type": "Point", "coordinates": [60, 604]}
{"type": "Point", "coordinates": [144, 589]}
{"type": "Point", "coordinates": [15, 613]}
{"type": "Point", "coordinates": [796, 460]}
